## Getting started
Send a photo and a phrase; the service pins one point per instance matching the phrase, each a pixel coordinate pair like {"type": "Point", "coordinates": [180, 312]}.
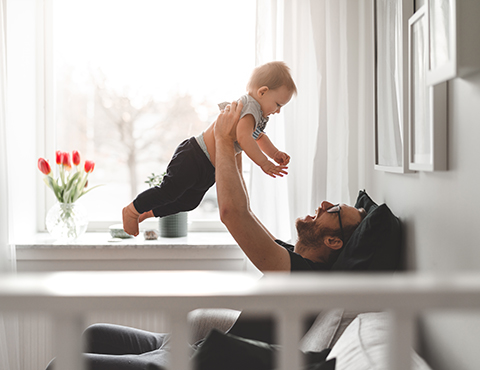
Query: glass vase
{"type": "Point", "coordinates": [67, 222]}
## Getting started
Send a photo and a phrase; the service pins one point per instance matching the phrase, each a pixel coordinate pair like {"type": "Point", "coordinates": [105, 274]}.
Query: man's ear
{"type": "Point", "coordinates": [333, 242]}
{"type": "Point", "coordinates": [261, 91]}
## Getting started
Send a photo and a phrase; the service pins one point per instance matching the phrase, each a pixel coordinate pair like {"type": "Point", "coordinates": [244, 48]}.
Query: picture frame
{"type": "Point", "coordinates": [441, 18]}
{"type": "Point", "coordinates": [427, 105]}
{"type": "Point", "coordinates": [391, 93]}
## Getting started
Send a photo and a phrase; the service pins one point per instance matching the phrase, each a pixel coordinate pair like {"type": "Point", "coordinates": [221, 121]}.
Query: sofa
{"type": "Point", "coordinates": [337, 339]}
{"type": "Point", "coordinates": [333, 339]}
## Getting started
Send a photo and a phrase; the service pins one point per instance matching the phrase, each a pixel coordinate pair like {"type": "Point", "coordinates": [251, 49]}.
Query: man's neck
{"type": "Point", "coordinates": [320, 254]}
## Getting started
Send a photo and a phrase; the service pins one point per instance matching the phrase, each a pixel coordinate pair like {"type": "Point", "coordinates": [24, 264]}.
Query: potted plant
{"type": "Point", "coordinates": [67, 220]}
{"type": "Point", "coordinates": [172, 226]}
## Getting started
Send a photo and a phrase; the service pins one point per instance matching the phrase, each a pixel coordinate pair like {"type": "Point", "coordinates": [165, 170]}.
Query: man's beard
{"type": "Point", "coordinates": [308, 234]}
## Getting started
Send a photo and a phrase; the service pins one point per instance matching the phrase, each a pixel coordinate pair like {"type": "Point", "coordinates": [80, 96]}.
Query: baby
{"type": "Point", "coordinates": [191, 171]}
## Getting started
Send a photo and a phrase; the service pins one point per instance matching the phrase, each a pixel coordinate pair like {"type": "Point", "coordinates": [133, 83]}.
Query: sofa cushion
{"type": "Point", "coordinates": [202, 320]}
{"type": "Point", "coordinates": [376, 243]}
{"type": "Point", "coordinates": [227, 351]}
{"type": "Point", "coordinates": [363, 345]}
{"type": "Point", "coordinates": [327, 329]}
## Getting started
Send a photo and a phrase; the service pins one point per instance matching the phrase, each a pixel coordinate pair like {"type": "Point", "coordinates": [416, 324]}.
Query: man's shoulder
{"type": "Point", "coordinates": [287, 246]}
{"type": "Point", "coordinates": [300, 263]}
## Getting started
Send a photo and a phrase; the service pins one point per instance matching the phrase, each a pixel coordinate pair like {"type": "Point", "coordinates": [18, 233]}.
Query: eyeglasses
{"type": "Point", "coordinates": [336, 209]}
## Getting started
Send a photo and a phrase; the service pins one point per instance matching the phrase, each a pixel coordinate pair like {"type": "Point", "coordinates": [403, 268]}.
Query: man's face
{"type": "Point", "coordinates": [312, 229]}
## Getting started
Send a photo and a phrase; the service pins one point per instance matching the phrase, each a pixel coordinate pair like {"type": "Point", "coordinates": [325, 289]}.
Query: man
{"type": "Point", "coordinates": [320, 237]}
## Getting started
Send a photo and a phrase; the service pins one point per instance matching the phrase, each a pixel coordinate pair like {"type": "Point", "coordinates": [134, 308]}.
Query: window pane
{"type": "Point", "coordinates": [134, 78]}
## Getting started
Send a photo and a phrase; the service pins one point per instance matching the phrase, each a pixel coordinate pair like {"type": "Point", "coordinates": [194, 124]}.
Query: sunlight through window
{"type": "Point", "coordinates": [134, 78]}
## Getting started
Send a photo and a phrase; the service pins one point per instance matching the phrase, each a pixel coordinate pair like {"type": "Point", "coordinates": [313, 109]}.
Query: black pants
{"type": "Point", "coordinates": [116, 347]}
{"type": "Point", "coordinates": [189, 176]}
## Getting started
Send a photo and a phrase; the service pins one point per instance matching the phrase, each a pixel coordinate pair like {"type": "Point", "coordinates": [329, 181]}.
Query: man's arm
{"type": "Point", "coordinates": [239, 168]}
{"type": "Point", "coordinates": [250, 235]}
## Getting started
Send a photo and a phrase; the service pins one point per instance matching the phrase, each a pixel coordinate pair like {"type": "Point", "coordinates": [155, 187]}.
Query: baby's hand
{"type": "Point", "coordinates": [281, 158]}
{"type": "Point", "coordinates": [272, 170]}
{"type": "Point", "coordinates": [130, 220]}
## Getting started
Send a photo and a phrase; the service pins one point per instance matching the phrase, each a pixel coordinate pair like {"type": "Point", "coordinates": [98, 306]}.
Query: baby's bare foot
{"type": "Point", "coordinates": [130, 220]}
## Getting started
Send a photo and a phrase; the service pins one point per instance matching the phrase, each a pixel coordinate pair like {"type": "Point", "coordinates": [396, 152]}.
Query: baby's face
{"type": "Point", "coordinates": [272, 101]}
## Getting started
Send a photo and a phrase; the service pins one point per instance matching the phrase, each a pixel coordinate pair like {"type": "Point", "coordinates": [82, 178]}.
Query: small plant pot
{"type": "Point", "coordinates": [174, 226]}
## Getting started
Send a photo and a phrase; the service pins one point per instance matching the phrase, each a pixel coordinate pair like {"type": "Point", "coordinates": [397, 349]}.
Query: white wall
{"type": "Point", "coordinates": [439, 213]}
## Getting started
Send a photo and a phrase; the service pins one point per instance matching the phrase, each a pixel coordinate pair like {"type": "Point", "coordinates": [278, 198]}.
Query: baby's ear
{"type": "Point", "coordinates": [261, 91]}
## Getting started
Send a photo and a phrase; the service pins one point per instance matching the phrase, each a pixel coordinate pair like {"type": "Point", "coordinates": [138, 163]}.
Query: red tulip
{"type": "Point", "coordinates": [66, 161]}
{"type": "Point", "coordinates": [76, 157]}
{"type": "Point", "coordinates": [89, 165]}
{"type": "Point", "coordinates": [44, 166]}
{"type": "Point", "coordinates": [58, 156]}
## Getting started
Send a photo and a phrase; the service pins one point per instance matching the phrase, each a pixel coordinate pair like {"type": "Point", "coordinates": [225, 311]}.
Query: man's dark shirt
{"type": "Point", "coordinates": [263, 329]}
{"type": "Point", "coordinates": [299, 263]}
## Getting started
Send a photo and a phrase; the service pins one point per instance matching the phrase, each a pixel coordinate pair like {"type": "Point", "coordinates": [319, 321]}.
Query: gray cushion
{"type": "Point", "coordinates": [363, 345]}
{"type": "Point", "coordinates": [203, 320]}
{"type": "Point", "coordinates": [327, 329]}
{"type": "Point", "coordinates": [227, 351]}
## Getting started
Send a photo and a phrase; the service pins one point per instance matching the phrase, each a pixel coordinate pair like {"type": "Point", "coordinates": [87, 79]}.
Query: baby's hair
{"type": "Point", "coordinates": [273, 75]}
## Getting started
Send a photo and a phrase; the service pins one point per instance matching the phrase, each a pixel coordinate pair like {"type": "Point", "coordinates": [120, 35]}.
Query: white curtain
{"type": "Point", "coordinates": [7, 252]}
{"type": "Point", "coordinates": [328, 45]}
{"type": "Point", "coordinates": [9, 355]}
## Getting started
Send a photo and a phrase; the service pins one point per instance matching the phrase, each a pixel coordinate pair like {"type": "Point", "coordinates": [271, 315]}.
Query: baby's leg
{"type": "Point", "coordinates": [145, 215]}
{"type": "Point", "coordinates": [189, 175]}
{"type": "Point", "coordinates": [188, 201]}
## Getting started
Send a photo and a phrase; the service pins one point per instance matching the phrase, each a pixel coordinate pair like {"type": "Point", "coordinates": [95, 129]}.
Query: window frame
{"type": "Point", "coordinates": [45, 124]}
{"type": "Point", "coordinates": [44, 100]}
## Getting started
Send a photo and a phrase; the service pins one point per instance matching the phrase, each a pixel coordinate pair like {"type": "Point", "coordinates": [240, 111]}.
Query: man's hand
{"type": "Point", "coordinates": [226, 124]}
{"type": "Point", "coordinates": [281, 158]}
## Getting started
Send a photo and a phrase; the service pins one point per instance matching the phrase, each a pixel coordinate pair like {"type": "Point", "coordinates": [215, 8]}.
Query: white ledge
{"type": "Point", "coordinates": [98, 240]}
{"type": "Point", "coordinates": [97, 251]}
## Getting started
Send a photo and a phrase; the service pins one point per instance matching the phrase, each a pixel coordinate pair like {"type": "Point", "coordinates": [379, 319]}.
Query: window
{"type": "Point", "coordinates": [131, 79]}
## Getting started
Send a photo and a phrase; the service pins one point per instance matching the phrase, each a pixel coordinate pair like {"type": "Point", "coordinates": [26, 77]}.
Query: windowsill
{"type": "Point", "coordinates": [96, 251]}
{"type": "Point", "coordinates": [102, 240]}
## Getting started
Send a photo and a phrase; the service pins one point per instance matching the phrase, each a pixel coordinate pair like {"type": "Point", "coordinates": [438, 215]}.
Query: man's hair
{"type": "Point", "coordinates": [273, 75]}
{"type": "Point", "coordinates": [348, 230]}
